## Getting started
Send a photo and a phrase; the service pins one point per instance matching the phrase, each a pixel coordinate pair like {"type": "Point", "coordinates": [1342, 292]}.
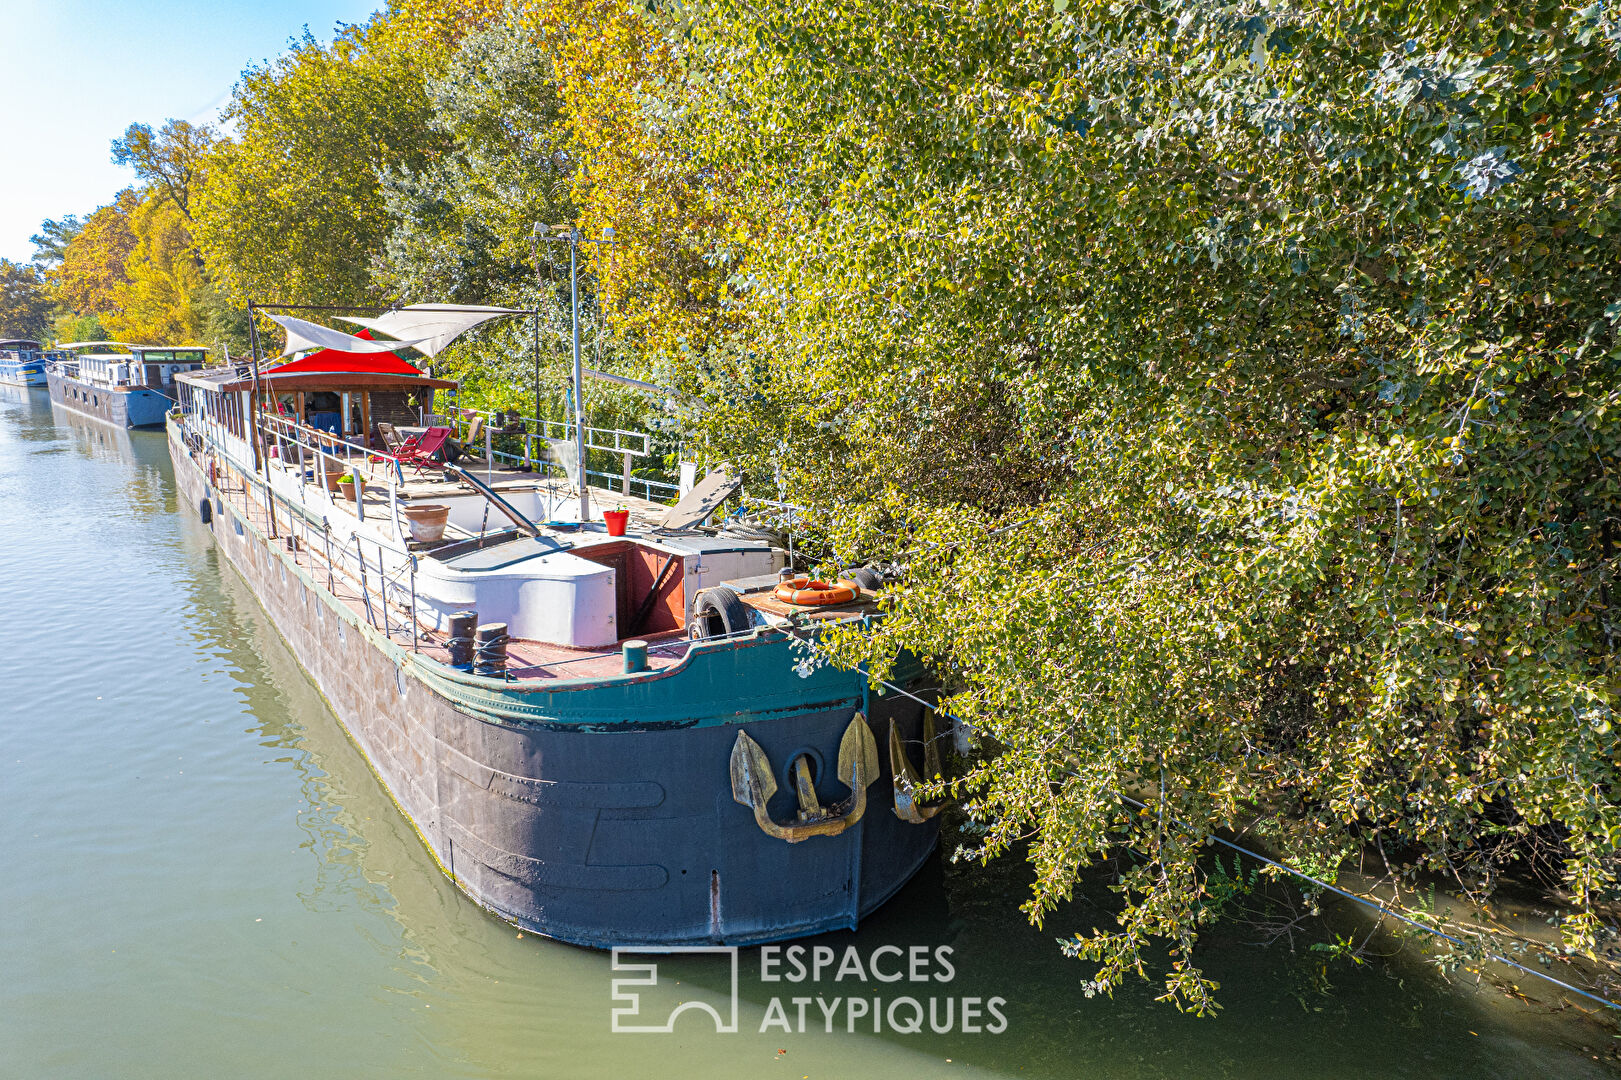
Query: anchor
{"type": "Point", "coordinates": [753, 785]}
{"type": "Point", "coordinates": [906, 778]}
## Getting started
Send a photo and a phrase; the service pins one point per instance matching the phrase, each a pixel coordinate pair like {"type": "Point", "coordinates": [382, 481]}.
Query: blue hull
{"type": "Point", "coordinates": [129, 408]}
{"type": "Point", "coordinates": [31, 373]}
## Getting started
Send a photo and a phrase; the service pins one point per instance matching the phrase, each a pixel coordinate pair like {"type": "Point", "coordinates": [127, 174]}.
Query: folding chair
{"type": "Point", "coordinates": [391, 438]}
{"type": "Point", "coordinates": [419, 450]}
{"type": "Point", "coordinates": [471, 446]}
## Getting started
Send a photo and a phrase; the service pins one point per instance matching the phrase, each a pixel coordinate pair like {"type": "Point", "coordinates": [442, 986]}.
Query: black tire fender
{"type": "Point", "coordinates": [863, 576]}
{"type": "Point", "coordinates": [718, 612]}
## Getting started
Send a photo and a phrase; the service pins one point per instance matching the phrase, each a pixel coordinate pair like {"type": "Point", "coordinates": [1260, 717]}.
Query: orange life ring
{"type": "Point", "coordinates": [805, 592]}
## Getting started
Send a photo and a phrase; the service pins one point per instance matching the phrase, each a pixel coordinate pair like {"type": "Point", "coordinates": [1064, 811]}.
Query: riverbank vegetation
{"type": "Point", "coordinates": [1235, 389]}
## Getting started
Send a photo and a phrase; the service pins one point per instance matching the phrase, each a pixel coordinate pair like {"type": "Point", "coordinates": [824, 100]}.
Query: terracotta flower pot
{"type": "Point", "coordinates": [616, 521]}
{"type": "Point", "coordinates": [427, 521]}
{"type": "Point", "coordinates": [348, 489]}
{"type": "Point", "coordinates": [332, 479]}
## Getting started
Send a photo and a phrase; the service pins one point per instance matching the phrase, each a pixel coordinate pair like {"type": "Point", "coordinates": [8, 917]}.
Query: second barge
{"type": "Point", "coordinates": [130, 388]}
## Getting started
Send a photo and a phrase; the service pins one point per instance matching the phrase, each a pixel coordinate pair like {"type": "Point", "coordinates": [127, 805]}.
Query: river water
{"type": "Point", "coordinates": [202, 878]}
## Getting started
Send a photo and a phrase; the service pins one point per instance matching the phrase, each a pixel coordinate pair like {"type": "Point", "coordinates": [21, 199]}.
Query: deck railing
{"type": "Point", "coordinates": [380, 573]}
{"type": "Point", "coordinates": [628, 445]}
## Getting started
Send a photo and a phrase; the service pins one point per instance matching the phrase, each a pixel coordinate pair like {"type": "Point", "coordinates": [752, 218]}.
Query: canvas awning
{"type": "Point", "coordinates": [340, 381]}
{"type": "Point", "coordinates": [333, 360]}
{"type": "Point", "coordinates": [332, 369]}
{"type": "Point", "coordinates": [431, 327]}
{"type": "Point", "coordinates": [302, 334]}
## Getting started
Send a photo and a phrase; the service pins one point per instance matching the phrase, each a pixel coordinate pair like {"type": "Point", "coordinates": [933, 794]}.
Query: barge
{"type": "Point", "coordinates": [610, 740]}
{"type": "Point", "coordinates": [130, 388]}
{"type": "Point", "coordinates": [22, 362]}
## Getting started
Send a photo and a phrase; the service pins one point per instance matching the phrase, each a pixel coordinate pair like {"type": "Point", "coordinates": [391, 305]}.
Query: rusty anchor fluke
{"type": "Point", "coordinates": [753, 784]}
{"type": "Point", "coordinates": [906, 777]}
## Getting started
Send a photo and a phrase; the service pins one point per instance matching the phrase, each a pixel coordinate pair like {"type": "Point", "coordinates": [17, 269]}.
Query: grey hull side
{"type": "Point", "coordinates": [594, 834]}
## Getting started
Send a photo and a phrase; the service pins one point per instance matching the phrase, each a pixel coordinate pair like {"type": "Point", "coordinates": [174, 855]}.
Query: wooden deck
{"type": "Point", "coordinates": [526, 659]}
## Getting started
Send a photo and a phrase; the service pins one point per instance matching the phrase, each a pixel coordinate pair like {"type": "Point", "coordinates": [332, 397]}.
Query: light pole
{"type": "Point", "coordinates": [571, 235]}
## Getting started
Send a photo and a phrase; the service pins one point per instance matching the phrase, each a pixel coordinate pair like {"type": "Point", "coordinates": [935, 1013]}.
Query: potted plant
{"type": "Point", "coordinates": [427, 521]}
{"type": "Point", "coordinates": [346, 484]}
{"type": "Point", "coordinates": [616, 520]}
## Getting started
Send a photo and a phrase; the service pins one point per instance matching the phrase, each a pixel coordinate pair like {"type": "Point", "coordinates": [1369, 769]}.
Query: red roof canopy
{"type": "Point", "coordinates": [333, 361]}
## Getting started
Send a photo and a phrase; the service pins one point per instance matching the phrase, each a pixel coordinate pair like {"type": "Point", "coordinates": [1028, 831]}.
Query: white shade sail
{"type": "Point", "coordinates": [434, 326]}
{"type": "Point", "coordinates": [302, 335]}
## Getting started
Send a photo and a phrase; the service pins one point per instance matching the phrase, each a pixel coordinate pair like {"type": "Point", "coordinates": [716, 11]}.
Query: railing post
{"type": "Point", "coordinates": [382, 593]}
{"type": "Point", "coordinates": [394, 507]}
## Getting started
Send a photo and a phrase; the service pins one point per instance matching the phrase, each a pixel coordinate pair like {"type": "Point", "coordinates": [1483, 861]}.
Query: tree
{"type": "Point", "coordinates": [91, 270]}
{"type": "Point", "coordinates": [293, 208]}
{"type": "Point", "coordinates": [25, 307]}
{"type": "Point", "coordinates": [170, 158]}
{"type": "Point", "coordinates": [669, 280]}
{"type": "Point", "coordinates": [1236, 388]}
{"type": "Point", "coordinates": [71, 327]}
{"type": "Point", "coordinates": [461, 227]}
{"type": "Point", "coordinates": [51, 242]}
{"type": "Point", "coordinates": [160, 297]}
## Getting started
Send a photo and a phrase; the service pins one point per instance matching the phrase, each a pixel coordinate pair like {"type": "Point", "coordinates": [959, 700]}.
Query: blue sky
{"type": "Point", "coordinates": [76, 74]}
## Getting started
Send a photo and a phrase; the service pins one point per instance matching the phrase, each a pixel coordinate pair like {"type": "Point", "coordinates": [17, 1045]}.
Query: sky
{"type": "Point", "coordinates": [78, 72]}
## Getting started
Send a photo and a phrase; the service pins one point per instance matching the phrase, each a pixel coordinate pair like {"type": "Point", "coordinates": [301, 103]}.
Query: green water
{"type": "Point", "coordinates": [202, 878]}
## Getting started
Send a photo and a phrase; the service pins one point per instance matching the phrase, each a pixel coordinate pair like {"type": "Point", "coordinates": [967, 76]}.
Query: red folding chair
{"type": "Point", "coordinates": [418, 450]}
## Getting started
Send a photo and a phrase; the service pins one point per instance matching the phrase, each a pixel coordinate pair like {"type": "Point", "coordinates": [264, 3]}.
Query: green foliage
{"type": "Point", "coordinates": [157, 299]}
{"type": "Point", "coordinates": [71, 327]}
{"type": "Point", "coordinates": [292, 208]}
{"type": "Point", "coordinates": [169, 159]}
{"type": "Point", "coordinates": [461, 225]}
{"type": "Point", "coordinates": [1236, 387]}
{"type": "Point", "coordinates": [51, 242]}
{"type": "Point", "coordinates": [91, 266]}
{"type": "Point", "coordinates": [25, 306]}
{"type": "Point", "coordinates": [223, 327]}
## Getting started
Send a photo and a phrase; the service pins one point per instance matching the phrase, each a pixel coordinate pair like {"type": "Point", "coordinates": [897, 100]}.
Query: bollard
{"type": "Point", "coordinates": [635, 657]}
{"type": "Point", "coordinates": [461, 638]}
{"type": "Point", "coordinates": [491, 649]}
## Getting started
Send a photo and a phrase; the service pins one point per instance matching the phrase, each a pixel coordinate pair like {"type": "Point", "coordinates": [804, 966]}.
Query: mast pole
{"type": "Point", "coordinates": [251, 422]}
{"type": "Point", "coordinates": [579, 378]}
